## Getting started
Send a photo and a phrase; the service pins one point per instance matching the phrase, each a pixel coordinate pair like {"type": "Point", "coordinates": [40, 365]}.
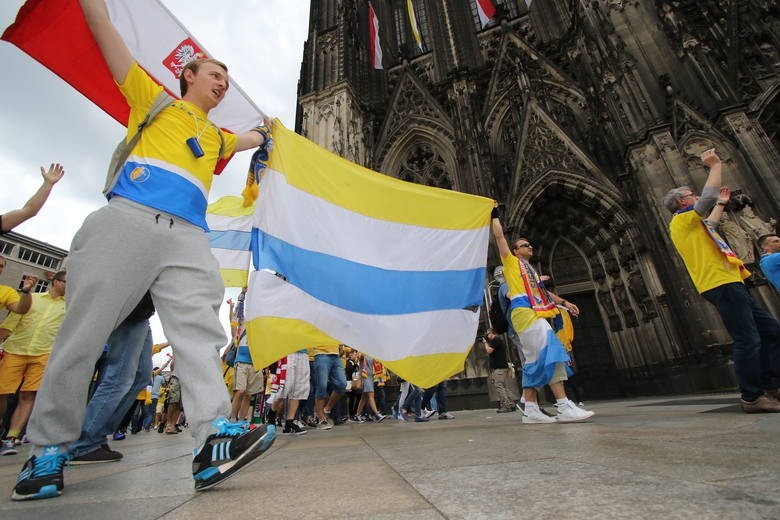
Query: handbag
{"type": "Point", "coordinates": [357, 381]}
{"type": "Point", "coordinates": [230, 357]}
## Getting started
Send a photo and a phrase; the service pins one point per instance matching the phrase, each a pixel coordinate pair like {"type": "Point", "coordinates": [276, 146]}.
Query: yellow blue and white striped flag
{"type": "Point", "coordinates": [230, 238]}
{"type": "Point", "coordinates": [346, 255]}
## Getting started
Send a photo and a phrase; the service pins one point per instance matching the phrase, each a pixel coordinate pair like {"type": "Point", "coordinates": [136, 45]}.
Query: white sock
{"type": "Point", "coordinates": [532, 405]}
{"type": "Point", "coordinates": [561, 402]}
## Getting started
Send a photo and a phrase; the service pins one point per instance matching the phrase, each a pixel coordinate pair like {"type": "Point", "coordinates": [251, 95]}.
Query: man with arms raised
{"type": "Point", "coordinates": [151, 237]}
{"type": "Point", "coordinates": [717, 274]}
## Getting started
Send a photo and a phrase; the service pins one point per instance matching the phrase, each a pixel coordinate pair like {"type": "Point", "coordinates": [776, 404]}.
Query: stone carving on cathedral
{"type": "Point", "coordinates": [605, 299]}
{"type": "Point", "coordinates": [619, 290]}
{"type": "Point", "coordinates": [639, 292]}
{"type": "Point", "coordinates": [741, 227]}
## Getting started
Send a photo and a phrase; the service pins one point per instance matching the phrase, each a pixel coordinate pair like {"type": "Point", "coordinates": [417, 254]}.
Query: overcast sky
{"type": "Point", "coordinates": [44, 120]}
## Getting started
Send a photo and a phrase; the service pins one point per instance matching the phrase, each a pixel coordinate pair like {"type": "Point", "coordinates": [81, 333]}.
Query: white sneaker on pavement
{"type": "Point", "coordinates": [570, 412]}
{"type": "Point", "coordinates": [535, 416]}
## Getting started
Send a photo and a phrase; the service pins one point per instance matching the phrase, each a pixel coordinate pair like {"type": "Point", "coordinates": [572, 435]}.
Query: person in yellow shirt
{"type": "Point", "coordinates": [717, 274]}
{"type": "Point", "coordinates": [545, 356]}
{"type": "Point", "coordinates": [11, 299]}
{"type": "Point", "coordinates": [151, 236]}
{"type": "Point", "coordinates": [27, 350]}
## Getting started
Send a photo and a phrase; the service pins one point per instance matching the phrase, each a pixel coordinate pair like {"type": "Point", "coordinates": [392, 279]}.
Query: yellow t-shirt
{"type": "Point", "coordinates": [324, 349]}
{"type": "Point", "coordinates": [706, 264]}
{"type": "Point", "coordinates": [33, 334]}
{"type": "Point", "coordinates": [162, 171]}
{"type": "Point", "coordinates": [512, 276]}
{"type": "Point", "coordinates": [7, 295]}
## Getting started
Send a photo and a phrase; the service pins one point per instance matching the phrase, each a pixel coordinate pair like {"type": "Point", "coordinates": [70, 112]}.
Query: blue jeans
{"type": "Point", "coordinates": [413, 401]}
{"type": "Point", "coordinates": [756, 335]}
{"type": "Point", "coordinates": [440, 391]}
{"type": "Point", "coordinates": [328, 367]}
{"type": "Point", "coordinates": [127, 372]}
{"type": "Point", "coordinates": [149, 411]}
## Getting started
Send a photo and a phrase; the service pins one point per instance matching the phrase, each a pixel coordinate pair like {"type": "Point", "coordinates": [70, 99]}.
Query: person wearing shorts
{"type": "Point", "coordinates": [295, 389]}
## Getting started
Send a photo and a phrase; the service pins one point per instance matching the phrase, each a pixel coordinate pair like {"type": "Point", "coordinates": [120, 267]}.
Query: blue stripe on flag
{"type": "Point", "coordinates": [235, 240]}
{"type": "Point", "coordinates": [366, 289]}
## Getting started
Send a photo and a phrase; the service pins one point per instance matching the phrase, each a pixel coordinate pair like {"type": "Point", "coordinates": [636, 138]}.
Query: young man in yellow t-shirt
{"type": "Point", "coordinates": [545, 356]}
{"type": "Point", "coordinates": [149, 237]}
{"type": "Point", "coordinates": [717, 275]}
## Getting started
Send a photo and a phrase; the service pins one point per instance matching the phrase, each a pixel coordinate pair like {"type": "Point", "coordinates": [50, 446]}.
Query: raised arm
{"type": "Point", "coordinates": [111, 44]}
{"type": "Point", "coordinates": [498, 233]}
{"type": "Point", "coordinates": [711, 160]}
{"type": "Point", "coordinates": [709, 193]}
{"type": "Point", "coordinates": [25, 299]}
{"type": "Point", "coordinates": [717, 211]}
{"type": "Point", "coordinates": [31, 208]}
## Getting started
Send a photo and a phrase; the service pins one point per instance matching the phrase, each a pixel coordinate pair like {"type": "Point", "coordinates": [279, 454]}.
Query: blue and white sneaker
{"type": "Point", "coordinates": [41, 477]}
{"type": "Point", "coordinates": [232, 448]}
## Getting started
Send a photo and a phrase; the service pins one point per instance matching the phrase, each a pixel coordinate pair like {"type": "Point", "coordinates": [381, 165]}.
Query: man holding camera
{"type": "Point", "coordinates": [496, 349]}
{"type": "Point", "coordinates": [717, 274]}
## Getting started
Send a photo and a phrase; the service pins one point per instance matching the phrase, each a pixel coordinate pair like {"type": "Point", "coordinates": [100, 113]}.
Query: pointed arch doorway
{"type": "Point", "coordinates": [596, 372]}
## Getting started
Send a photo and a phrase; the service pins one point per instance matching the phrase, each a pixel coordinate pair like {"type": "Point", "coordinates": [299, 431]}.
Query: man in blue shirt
{"type": "Point", "coordinates": [770, 258]}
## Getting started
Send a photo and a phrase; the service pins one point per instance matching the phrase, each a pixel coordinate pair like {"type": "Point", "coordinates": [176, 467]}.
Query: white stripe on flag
{"type": "Point", "coordinates": [387, 338]}
{"type": "Point", "coordinates": [383, 244]}
{"type": "Point", "coordinates": [232, 259]}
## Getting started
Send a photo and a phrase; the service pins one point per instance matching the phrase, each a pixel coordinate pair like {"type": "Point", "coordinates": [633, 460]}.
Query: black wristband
{"type": "Point", "coordinates": [25, 292]}
{"type": "Point", "coordinates": [721, 203]}
{"type": "Point", "coordinates": [494, 213]}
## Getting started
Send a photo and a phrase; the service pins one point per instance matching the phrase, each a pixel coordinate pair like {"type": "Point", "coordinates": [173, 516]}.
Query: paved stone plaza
{"type": "Point", "coordinates": [694, 457]}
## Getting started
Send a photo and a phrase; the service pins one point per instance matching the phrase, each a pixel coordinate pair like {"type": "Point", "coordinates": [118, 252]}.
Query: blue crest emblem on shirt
{"type": "Point", "coordinates": [139, 174]}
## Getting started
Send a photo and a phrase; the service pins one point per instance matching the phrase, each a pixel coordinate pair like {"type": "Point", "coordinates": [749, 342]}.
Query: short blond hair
{"type": "Point", "coordinates": [194, 65]}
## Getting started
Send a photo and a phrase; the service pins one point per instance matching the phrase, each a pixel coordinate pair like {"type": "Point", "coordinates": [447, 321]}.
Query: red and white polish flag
{"type": "Point", "coordinates": [486, 11]}
{"type": "Point", "coordinates": [373, 36]}
{"type": "Point", "coordinates": [54, 33]}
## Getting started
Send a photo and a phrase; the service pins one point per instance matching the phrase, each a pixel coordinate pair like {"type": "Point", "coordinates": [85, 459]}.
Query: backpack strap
{"type": "Point", "coordinates": [123, 149]}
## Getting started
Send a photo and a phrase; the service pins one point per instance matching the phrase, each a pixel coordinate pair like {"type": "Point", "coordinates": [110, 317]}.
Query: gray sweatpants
{"type": "Point", "coordinates": [122, 250]}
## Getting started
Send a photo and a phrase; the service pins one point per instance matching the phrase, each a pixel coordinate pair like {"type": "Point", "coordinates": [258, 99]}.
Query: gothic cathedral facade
{"type": "Point", "coordinates": [579, 115]}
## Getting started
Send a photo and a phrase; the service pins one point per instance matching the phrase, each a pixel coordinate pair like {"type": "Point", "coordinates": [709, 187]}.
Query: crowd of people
{"type": "Point", "coordinates": [149, 241]}
{"type": "Point", "coordinates": [320, 387]}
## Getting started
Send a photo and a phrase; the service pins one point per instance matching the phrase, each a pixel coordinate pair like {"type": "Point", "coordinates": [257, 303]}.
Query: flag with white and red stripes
{"type": "Point", "coordinates": [55, 34]}
{"type": "Point", "coordinates": [375, 45]}
{"type": "Point", "coordinates": [486, 11]}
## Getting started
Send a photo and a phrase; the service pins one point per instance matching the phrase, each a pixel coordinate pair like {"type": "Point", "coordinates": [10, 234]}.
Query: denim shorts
{"type": "Point", "coordinates": [328, 367]}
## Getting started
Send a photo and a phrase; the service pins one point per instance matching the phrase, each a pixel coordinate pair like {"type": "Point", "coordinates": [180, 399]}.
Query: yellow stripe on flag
{"type": "Point", "coordinates": [234, 277]}
{"type": "Point", "coordinates": [323, 174]}
{"type": "Point", "coordinates": [271, 338]}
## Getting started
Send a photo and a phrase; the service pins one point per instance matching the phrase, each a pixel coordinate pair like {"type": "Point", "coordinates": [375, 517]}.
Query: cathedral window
{"type": "Point", "coordinates": [424, 165]}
